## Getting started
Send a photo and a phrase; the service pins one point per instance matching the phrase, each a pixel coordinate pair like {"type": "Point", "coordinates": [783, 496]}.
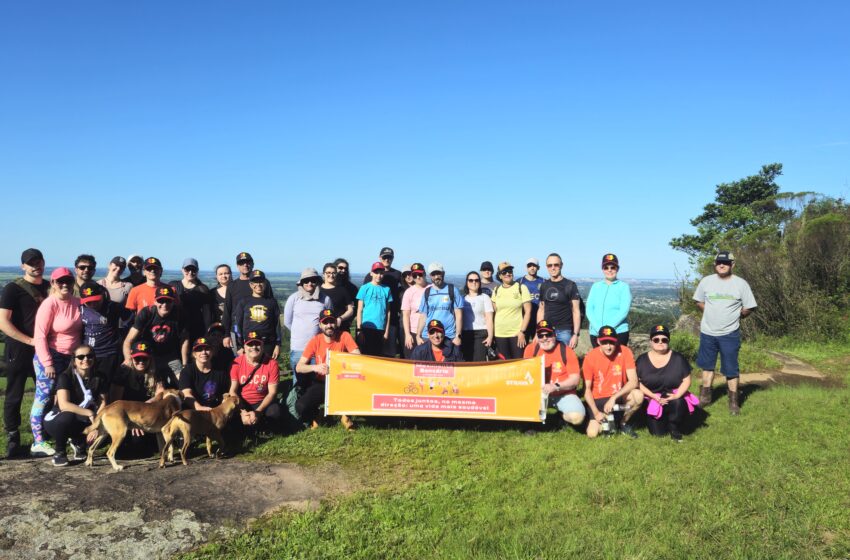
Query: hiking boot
{"type": "Point", "coordinates": [734, 407]}
{"type": "Point", "coordinates": [704, 396]}
{"type": "Point", "coordinates": [347, 423]}
{"type": "Point", "coordinates": [13, 445]}
{"type": "Point", "coordinates": [60, 461]}
{"type": "Point", "coordinates": [628, 430]}
{"type": "Point", "coordinates": [42, 449]}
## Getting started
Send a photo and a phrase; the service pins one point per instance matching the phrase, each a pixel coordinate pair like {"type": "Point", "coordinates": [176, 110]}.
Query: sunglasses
{"type": "Point", "coordinates": [87, 357]}
{"type": "Point", "coordinates": [330, 272]}
{"type": "Point", "coordinates": [85, 267]}
{"type": "Point", "coordinates": [607, 343]}
{"type": "Point", "coordinates": [140, 359]}
{"type": "Point", "coordinates": [311, 281]}
{"type": "Point", "coordinates": [341, 268]}
{"type": "Point", "coordinates": [660, 340]}
{"type": "Point", "coordinates": [243, 263]}
{"type": "Point", "coordinates": [553, 265]}
{"type": "Point", "coordinates": [435, 331]}
{"type": "Point", "coordinates": [65, 281]}
{"type": "Point", "coordinates": [152, 269]}
{"type": "Point", "coordinates": [506, 272]}
{"type": "Point", "coordinates": [609, 267]}
{"type": "Point", "coordinates": [545, 335]}
{"type": "Point", "coordinates": [191, 269]}
{"type": "Point", "coordinates": [203, 349]}
{"type": "Point", "coordinates": [474, 280]}
{"type": "Point", "coordinates": [254, 344]}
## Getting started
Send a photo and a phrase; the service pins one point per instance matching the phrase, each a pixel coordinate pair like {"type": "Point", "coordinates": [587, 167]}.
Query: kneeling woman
{"type": "Point", "coordinates": [80, 395]}
{"type": "Point", "coordinates": [254, 378]}
{"type": "Point", "coordinates": [665, 376]}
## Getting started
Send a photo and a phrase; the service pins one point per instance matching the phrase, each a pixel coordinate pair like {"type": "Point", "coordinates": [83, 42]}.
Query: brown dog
{"type": "Point", "coordinates": [120, 416]}
{"type": "Point", "coordinates": [191, 423]}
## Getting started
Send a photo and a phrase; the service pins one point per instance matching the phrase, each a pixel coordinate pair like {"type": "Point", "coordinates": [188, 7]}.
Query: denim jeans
{"type": "Point", "coordinates": [727, 346]}
{"type": "Point", "coordinates": [563, 335]}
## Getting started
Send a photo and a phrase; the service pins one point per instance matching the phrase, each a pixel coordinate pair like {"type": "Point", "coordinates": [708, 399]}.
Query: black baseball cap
{"type": "Point", "coordinates": [387, 252]}
{"type": "Point", "coordinates": [119, 261]}
{"type": "Point", "coordinates": [31, 255]}
{"type": "Point", "coordinates": [152, 262]}
{"type": "Point", "coordinates": [724, 257]}
{"type": "Point", "coordinates": [257, 276]}
{"type": "Point", "coordinates": [486, 265]}
{"type": "Point", "coordinates": [657, 330]}
{"type": "Point", "coordinates": [244, 256]}
{"type": "Point", "coordinates": [327, 316]}
{"type": "Point", "coordinates": [91, 291]}
{"type": "Point", "coordinates": [165, 292]}
{"type": "Point", "coordinates": [435, 325]}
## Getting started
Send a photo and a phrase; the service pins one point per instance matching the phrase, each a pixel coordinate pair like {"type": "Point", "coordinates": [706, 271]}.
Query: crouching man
{"type": "Point", "coordinates": [562, 373]}
{"type": "Point", "coordinates": [610, 385]}
{"type": "Point", "coordinates": [437, 348]}
{"type": "Point", "coordinates": [254, 378]}
{"type": "Point", "coordinates": [313, 379]}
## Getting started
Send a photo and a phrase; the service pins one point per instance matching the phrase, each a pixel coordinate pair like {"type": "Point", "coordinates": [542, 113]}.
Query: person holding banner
{"type": "Point", "coordinates": [312, 378]}
{"type": "Point", "coordinates": [610, 384]}
{"type": "Point", "coordinates": [562, 373]}
{"type": "Point", "coordinates": [438, 348]}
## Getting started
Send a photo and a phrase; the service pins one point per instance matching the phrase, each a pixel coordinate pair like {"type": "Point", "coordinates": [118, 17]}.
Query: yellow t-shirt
{"type": "Point", "coordinates": [508, 302]}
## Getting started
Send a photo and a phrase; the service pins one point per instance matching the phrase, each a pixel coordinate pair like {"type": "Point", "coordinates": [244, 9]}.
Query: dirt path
{"type": "Point", "coordinates": [791, 372]}
{"type": "Point", "coordinates": [144, 512]}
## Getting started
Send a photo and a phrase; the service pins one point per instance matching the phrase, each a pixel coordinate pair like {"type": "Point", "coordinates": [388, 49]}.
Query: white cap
{"type": "Point", "coordinates": [436, 267]}
{"type": "Point", "coordinates": [533, 261]}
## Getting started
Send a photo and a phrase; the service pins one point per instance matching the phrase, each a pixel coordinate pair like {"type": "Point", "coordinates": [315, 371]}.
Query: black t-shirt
{"type": "Point", "coordinates": [218, 305]}
{"type": "Point", "coordinates": [260, 315]}
{"type": "Point", "coordinates": [135, 278]}
{"type": "Point", "coordinates": [238, 290]}
{"type": "Point", "coordinates": [208, 388]}
{"type": "Point", "coordinates": [68, 381]}
{"type": "Point", "coordinates": [165, 334]}
{"type": "Point", "coordinates": [666, 379]}
{"type": "Point", "coordinates": [340, 298]}
{"type": "Point", "coordinates": [135, 386]}
{"type": "Point", "coordinates": [23, 307]}
{"type": "Point", "coordinates": [558, 297]}
{"type": "Point", "coordinates": [196, 307]}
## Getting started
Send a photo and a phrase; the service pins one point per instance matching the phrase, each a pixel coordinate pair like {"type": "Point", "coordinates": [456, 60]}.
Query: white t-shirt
{"type": "Point", "coordinates": [723, 301]}
{"type": "Point", "coordinates": [474, 308]}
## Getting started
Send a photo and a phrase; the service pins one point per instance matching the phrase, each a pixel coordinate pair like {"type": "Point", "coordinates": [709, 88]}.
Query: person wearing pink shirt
{"type": "Point", "coordinates": [410, 307]}
{"type": "Point", "coordinates": [58, 330]}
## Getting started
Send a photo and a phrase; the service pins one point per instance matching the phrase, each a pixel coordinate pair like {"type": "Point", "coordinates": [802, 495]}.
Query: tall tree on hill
{"type": "Point", "coordinates": [744, 212]}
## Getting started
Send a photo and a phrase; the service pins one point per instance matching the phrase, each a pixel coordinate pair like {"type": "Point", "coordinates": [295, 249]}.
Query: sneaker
{"type": "Point", "coordinates": [78, 451]}
{"type": "Point", "coordinates": [677, 438]}
{"type": "Point", "coordinates": [60, 461]}
{"type": "Point", "coordinates": [628, 430]}
{"type": "Point", "coordinates": [42, 449]}
{"type": "Point", "coordinates": [13, 446]}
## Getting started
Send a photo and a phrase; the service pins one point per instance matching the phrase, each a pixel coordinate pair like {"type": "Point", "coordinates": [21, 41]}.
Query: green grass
{"type": "Point", "coordinates": [771, 483]}
{"type": "Point", "coordinates": [752, 358]}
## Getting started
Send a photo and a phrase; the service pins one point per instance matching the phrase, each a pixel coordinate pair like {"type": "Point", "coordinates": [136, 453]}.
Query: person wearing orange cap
{"type": "Point", "coordinates": [313, 368]}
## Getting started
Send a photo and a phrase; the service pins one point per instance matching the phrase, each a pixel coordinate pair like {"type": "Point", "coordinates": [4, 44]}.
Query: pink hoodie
{"type": "Point", "coordinates": [58, 325]}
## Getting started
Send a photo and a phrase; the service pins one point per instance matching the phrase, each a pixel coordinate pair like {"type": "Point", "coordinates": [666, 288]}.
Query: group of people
{"type": "Point", "coordinates": [89, 342]}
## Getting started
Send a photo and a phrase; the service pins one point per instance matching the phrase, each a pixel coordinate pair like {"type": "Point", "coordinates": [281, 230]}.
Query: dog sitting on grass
{"type": "Point", "coordinates": [191, 423]}
{"type": "Point", "coordinates": [119, 417]}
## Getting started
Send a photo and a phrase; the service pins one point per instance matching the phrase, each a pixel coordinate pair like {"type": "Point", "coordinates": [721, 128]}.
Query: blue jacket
{"type": "Point", "coordinates": [424, 353]}
{"type": "Point", "coordinates": [608, 304]}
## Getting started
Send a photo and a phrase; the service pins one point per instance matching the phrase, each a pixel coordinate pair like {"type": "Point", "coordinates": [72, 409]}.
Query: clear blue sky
{"type": "Point", "coordinates": [452, 131]}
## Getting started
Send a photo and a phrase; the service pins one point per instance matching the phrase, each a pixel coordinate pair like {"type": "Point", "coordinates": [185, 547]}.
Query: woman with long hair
{"type": "Point", "coordinates": [477, 333]}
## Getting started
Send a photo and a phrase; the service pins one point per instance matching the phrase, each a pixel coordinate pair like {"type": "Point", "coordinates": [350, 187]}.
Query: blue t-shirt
{"type": "Point", "coordinates": [100, 331]}
{"type": "Point", "coordinates": [533, 289]}
{"type": "Point", "coordinates": [376, 300]}
{"type": "Point", "coordinates": [438, 305]}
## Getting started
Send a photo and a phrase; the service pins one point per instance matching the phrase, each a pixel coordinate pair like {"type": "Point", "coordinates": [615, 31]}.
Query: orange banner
{"type": "Point", "coordinates": [368, 386]}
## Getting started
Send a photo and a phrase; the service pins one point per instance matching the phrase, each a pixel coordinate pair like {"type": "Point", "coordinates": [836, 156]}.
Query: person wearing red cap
{"type": "Point", "coordinates": [373, 313]}
{"type": "Point", "coordinates": [254, 378]}
{"type": "Point", "coordinates": [144, 295]}
{"type": "Point", "coordinates": [312, 375]}
{"type": "Point", "coordinates": [19, 303]}
{"type": "Point", "coordinates": [58, 328]}
{"type": "Point", "coordinates": [437, 348]}
{"type": "Point", "coordinates": [163, 327]}
{"type": "Point", "coordinates": [609, 302]}
{"type": "Point", "coordinates": [410, 302]}
{"type": "Point", "coordinates": [562, 373]}
{"type": "Point", "coordinates": [610, 379]}
{"type": "Point", "coordinates": [139, 381]}
{"type": "Point", "coordinates": [101, 318]}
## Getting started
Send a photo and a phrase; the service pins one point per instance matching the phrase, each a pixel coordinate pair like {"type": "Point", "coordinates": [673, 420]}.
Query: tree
{"type": "Point", "coordinates": [743, 212]}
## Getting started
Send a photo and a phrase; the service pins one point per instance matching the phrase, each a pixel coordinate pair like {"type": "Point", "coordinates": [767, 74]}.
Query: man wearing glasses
{"type": "Point", "coordinates": [724, 300]}
{"type": "Point", "coordinates": [18, 305]}
{"type": "Point", "coordinates": [238, 290]}
{"type": "Point", "coordinates": [562, 373]}
{"type": "Point", "coordinates": [84, 267]}
{"type": "Point", "coordinates": [443, 302]}
{"type": "Point", "coordinates": [560, 303]}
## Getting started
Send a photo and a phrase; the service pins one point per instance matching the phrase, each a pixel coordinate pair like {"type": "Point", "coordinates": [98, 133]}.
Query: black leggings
{"type": "Point", "coordinates": [472, 345]}
{"type": "Point", "coordinates": [307, 405]}
{"type": "Point", "coordinates": [64, 426]}
{"type": "Point", "coordinates": [673, 416]}
{"type": "Point", "coordinates": [508, 348]}
{"type": "Point", "coordinates": [18, 369]}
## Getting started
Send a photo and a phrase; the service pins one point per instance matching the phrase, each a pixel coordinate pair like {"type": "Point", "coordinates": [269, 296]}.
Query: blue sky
{"type": "Point", "coordinates": [451, 131]}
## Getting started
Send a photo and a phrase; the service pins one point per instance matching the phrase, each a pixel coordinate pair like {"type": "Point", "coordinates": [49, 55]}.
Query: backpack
{"type": "Point", "coordinates": [451, 288]}
{"type": "Point", "coordinates": [561, 345]}
{"type": "Point", "coordinates": [521, 286]}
